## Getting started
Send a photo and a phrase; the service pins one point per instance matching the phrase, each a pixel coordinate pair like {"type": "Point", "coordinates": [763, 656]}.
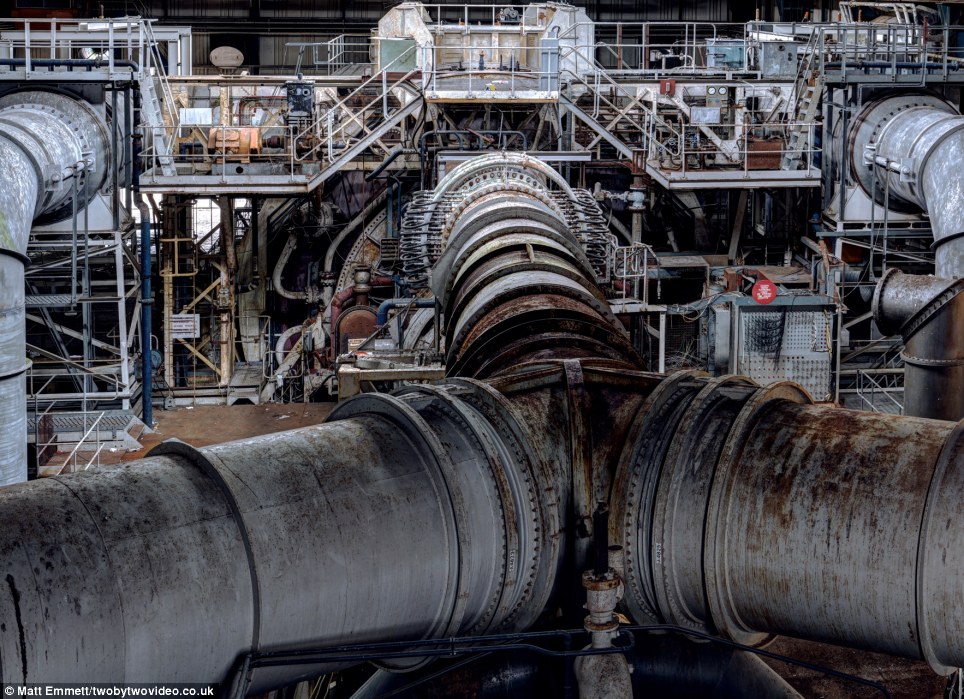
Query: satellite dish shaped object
{"type": "Point", "coordinates": [226, 57]}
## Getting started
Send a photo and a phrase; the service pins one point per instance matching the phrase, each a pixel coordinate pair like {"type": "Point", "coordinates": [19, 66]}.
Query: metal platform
{"type": "Point", "coordinates": [246, 383]}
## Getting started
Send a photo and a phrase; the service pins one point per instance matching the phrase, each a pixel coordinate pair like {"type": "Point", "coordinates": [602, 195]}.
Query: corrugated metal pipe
{"type": "Point", "coordinates": [516, 285]}
{"type": "Point", "coordinates": [453, 509]}
{"type": "Point", "coordinates": [51, 148]}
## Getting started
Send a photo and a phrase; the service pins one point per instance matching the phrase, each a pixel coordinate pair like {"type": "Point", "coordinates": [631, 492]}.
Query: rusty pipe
{"type": "Point", "coordinates": [741, 510]}
{"type": "Point", "coordinates": [347, 294]}
{"type": "Point", "coordinates": [747, 511]}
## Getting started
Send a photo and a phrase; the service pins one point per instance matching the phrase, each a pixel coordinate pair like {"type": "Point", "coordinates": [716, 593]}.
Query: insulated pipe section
{"type": "Point", "coordinates": [929, 313]}
{"type": "Point", "coordinates": [915, 144]}
{"type": "Point", "coordinates": [51, 148]}
{"type": "Point", "coordinates": [402, 517]}
{"type": "Point", "coordinates": [747, 511]}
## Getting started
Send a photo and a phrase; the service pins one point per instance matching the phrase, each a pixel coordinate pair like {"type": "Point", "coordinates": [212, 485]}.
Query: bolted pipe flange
{"type": "Point", "coordinates": [634, 488]}
{"type": "Point", "coordinates": [407, 419]}
{"type": "Point", "coordinates": [721, 609]}
{"type": "Point", "coordinates": [688, 475]}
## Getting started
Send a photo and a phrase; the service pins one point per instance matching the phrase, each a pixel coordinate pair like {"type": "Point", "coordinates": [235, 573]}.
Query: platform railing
{"type": "Point", "coordinates": [333, 55]}
{"type": "Point", "coordinates": [332, 126]}
{"type": "Point", "coordinates": [480, 69]}
{"type": "Point", "coordinates": [876, 387]}
{"type": "Point", "coordinates": [861, 47]}
{"type": "Point", "coordinates": [527, 18]}
{"type": "Point", "coordinates": [743, 154]}
{"type": "Point", "coordinates": [653, 48]}
{"type": "Point", "coordinates": [217, 147]}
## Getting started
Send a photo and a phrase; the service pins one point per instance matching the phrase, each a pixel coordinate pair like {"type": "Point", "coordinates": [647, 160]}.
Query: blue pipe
{"type": "Point", "coordinates": [146, 301]}
{"type": "Point", "coordinates": [385, 306]}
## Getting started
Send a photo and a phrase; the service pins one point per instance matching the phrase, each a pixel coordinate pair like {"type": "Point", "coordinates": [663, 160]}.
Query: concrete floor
{"type": "Point", "coordinates": [905, 679]}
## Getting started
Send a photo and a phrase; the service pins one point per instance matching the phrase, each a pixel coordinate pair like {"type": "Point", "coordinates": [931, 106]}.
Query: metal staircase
{"type": "Point", "coordinates": [625, 119]}
{"type": "Point", "coordinates": [613, 106]}
{"type": "Point", "coordinates": [360, 120]}
{"type": "Point", "coordinates": [806, 94]}
{"type": "Point", "coordinates": [153, 105]}
{"type": "Point", "coordinates": [316, 151]}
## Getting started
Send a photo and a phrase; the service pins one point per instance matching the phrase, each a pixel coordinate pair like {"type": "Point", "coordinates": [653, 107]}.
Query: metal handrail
{"type": "Point", "coordinates": [159, 74]}
{"type": "Point", "coordinates": [469, 13]}
{"type": "Point", "coordinates": [83, 439]}
{"type": "Point", "coordinates": [599, 73]}
{"type": "Point", "coordinates": [864, 375]}
{"type": "Point", "coordinates": [327, 118]}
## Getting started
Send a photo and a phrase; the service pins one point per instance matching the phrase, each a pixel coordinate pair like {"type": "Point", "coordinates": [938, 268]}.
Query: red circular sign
{"type": "Point", "coordinates": [764, 291]}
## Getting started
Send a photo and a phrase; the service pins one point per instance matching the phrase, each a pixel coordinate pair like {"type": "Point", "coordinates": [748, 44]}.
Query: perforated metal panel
{"type": "Point", "coordinates": [786, 345]}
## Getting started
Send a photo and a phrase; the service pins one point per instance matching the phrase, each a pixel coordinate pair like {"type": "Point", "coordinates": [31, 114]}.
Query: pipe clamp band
{"type": "Point", "coordinates": [946, 239]}
{"type": "Point", "coordinates": [16, 372]}
{"type": "Point", "coordinates": [15, 255]}
{"type": "Point", "coordinates": [924, 362]}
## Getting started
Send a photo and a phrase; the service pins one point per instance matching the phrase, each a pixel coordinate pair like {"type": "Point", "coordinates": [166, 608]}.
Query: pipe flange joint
{"type": "Point", "coordinates": [927, 362]}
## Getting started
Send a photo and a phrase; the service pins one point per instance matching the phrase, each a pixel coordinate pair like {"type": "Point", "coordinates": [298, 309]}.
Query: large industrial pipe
{"type": "Point", "coordinates": [747, 511]}
{"type": "Point", "coordinates": [907, 150]}
{"type": "Point", "coordinates": [403, 517]}
{"type": "Point", "coordinates": [451, 510]}
{"type": "Point", "coordinates": [929, 313]}
{"type": "Point", "coordinates": [53, 149]}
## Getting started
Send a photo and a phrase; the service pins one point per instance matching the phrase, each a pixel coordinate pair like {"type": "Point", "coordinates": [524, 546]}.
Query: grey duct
{"type": "Point", "coordinates": [188, 558]}
{"type": "Point", "coordinates": [443, 510]}
{"type": "Point", "coordinates": [929, 313]}
{"type": "Point", "coordinates": [915, 143]}
{"type": "Point", "coordinates": [440, 512]}
{"type": "Point", "coordinates": [906, 151]}
{"type": "Point", "coordinates": [53, 150]}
